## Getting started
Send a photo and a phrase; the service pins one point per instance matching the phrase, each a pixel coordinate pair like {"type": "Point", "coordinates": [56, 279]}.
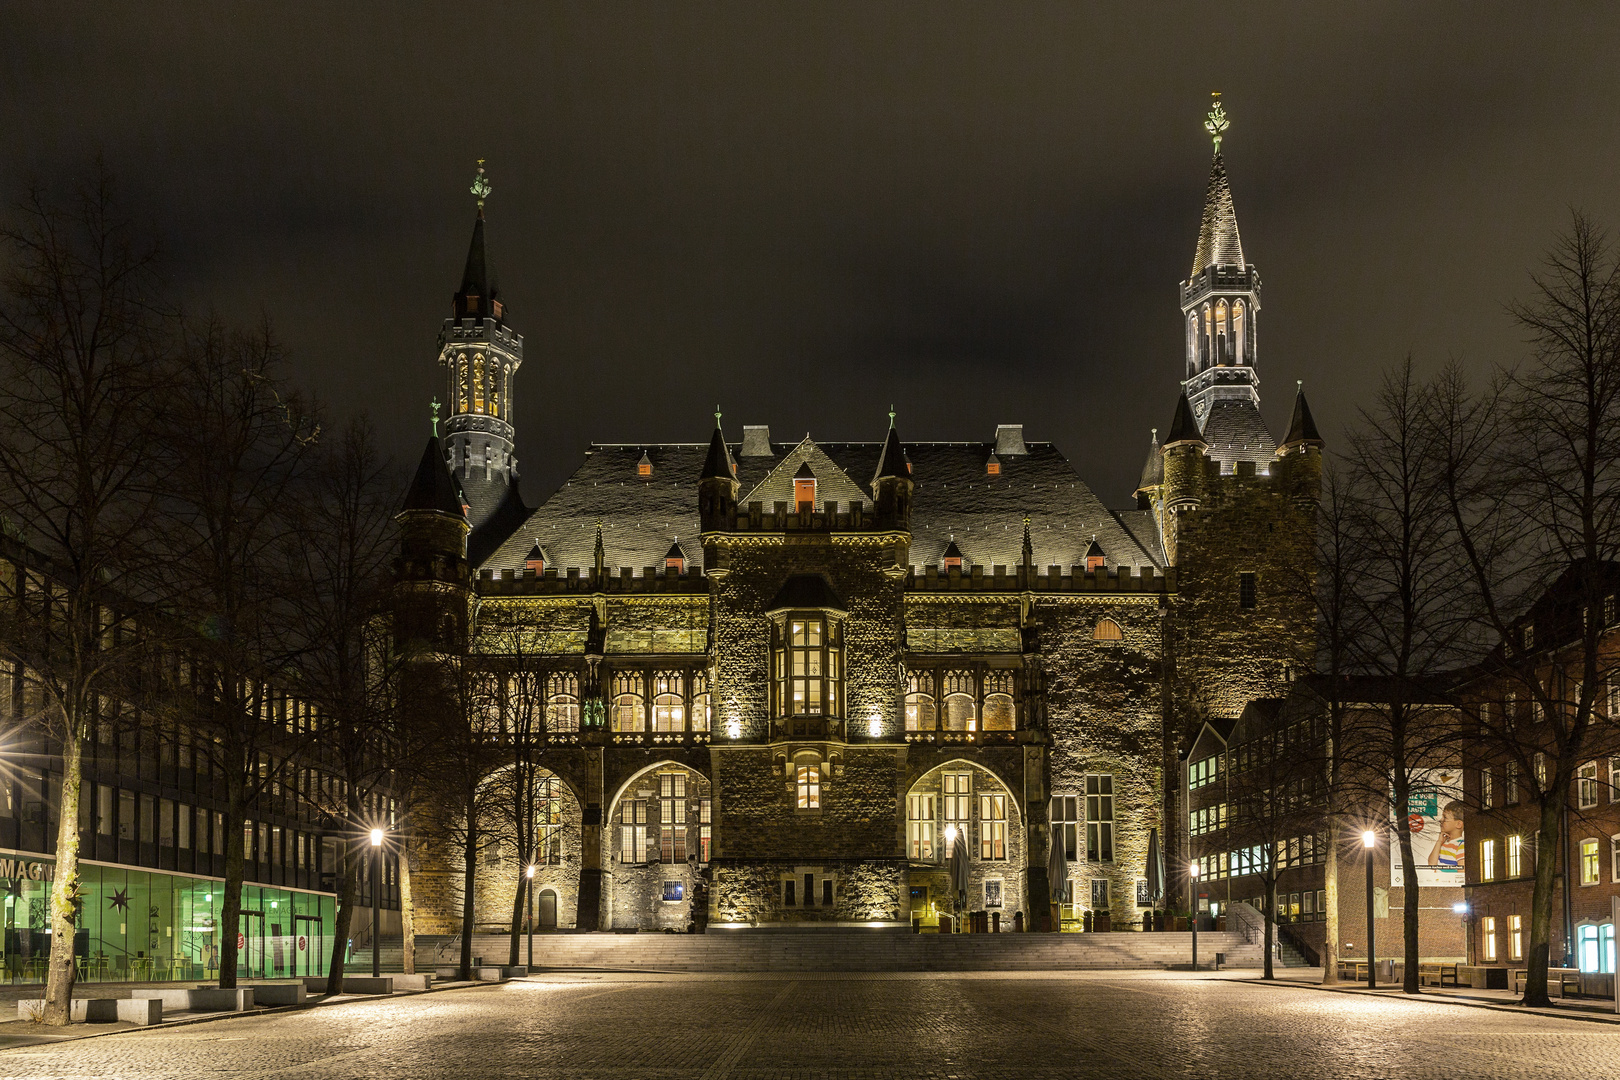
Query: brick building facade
{"type": "Point", "coordinates": [791, 672]}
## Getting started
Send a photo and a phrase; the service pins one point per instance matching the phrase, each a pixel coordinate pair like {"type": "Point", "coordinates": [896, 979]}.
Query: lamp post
{"type": "Point", "coordinates": [376, 902]}
{"type": "Point", "coordinates": [1368, 839]}
{"type": "Point", "coordinates": [528, 875]}
{"type": "Point", "coordinates": [1192, 870]}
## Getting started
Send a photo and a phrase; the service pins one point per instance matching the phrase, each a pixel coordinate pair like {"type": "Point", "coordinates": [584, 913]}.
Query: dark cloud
{"type": "Point", "coordinates": [805, 212]}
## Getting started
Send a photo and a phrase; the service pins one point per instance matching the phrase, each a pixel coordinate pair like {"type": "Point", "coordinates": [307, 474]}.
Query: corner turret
{"type": "Point", "coordinates": [892, 486]}
{"type": "Point", "coordinates": [717, 486]}
{"type": "Point", "coordinates": [432, 564]}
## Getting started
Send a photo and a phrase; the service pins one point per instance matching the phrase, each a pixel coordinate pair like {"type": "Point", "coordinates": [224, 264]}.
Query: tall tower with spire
{"type": "Point", "coordinates": [1220, 306]}
{"type": "Point", "coordinates": [480, 355]}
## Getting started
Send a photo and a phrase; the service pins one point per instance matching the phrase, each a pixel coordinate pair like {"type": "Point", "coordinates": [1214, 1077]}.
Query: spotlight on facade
{"type": "Point", "coordinates": [874, 727]}
{"type": "Point", "coordinates": [733, 730]}
{"type": "Point", "coordinates": [1368, 839]}
{"type": "Point", "coordinates": [1460, 907]}
{"type": "Point", "coordinates": [376, 838]}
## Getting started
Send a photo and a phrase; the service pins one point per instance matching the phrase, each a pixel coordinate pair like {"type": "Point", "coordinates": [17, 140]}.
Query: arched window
{"type": "Point", "coordinates": [999, 714]}
{"type": "Point", "coordinates": [1238, 349]}
{"type": "Point", "coordinates": [1203, 342]}
{"type": "Point", "coordinates": [1223, 347]}
{"type": "Point", "coordinates": [669, 703]}
{"type": "Point", "coordinates": [702, 710]}
{"type": "Point", "coordinates": [920, 712]}
{"type": "Point", "coordinates": [479, 391]}
{"type": "Point", "coordinates": [562, 702]}
{"type": "Point", "coordinates": [464, 382]}
{"type": "Point", "coordinates": [1192, 344]}
{"type": "Point", "coordinates": [961, 710]}
{"type": "Point", "coordinates": [809, 785]}
{"type": "Point", "coordinates": [627, 702]}
{"type": "Point", "coordinates": [1107, 630]}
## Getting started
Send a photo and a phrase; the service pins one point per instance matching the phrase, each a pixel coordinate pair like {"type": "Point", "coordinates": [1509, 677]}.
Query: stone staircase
{"type": "Point", "coordinates": [392, 957]}
{"type": "Point", "coordinates": [859, 950]}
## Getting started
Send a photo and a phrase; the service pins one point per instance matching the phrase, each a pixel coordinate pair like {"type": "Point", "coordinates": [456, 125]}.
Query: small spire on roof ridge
{"type": "Point", "coordinates": [480, 187]}
{"type": "Point", "coordinates": [717, 416]}
{"type": "Point", "coordinates": [1299, 386]}
{"type": "Point", "coordinates": [891, 415]}
{"type": "Point", "coordinates": [435, 408]}
{"type": "Point", "coordinates": [1216, 122]}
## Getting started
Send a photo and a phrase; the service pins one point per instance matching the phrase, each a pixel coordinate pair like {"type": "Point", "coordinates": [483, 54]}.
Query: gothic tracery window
{"type": "Point", "coordinates": [628, 715]}
{"type": "Point", "coordinates": [562, 702]}
{"type": "Point", "coordinates": [919, 703]}
{"type": "Point", "coordinates": [961, 708]}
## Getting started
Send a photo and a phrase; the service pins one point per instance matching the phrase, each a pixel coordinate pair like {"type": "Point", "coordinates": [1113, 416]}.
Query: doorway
{"type": "Point", "coordinates": [307, 944]}
{"type": "Point", "coordinates": [548, 910]}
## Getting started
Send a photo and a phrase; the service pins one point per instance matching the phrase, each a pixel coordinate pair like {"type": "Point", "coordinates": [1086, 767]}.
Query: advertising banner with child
{"type": "Point", "coordinates": [1434, 814]}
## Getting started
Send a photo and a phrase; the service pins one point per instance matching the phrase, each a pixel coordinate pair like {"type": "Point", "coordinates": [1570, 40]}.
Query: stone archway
{"type": "Point", "coordinates": [964, 795]}
{"type": "Point", "coordinates": [656, 846]}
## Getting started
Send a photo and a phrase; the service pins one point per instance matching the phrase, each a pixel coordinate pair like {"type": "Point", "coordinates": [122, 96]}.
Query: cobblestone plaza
{"type": "Point", "coordinates": [936, 1025]}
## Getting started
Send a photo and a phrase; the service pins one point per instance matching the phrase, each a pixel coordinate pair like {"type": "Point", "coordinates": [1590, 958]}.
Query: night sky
{"type": "Point", "coordinates": [979, 212]}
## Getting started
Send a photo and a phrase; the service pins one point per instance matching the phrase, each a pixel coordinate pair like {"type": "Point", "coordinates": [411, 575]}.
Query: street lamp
{"type": "Point", "coordinates": [376, 903]}
{"type": "Point", "coordinates": [1192, 870]}
{"type": "Point", "coordinates": [528, 874]}
{"type": "Point", "coordinates": [1368, 839]}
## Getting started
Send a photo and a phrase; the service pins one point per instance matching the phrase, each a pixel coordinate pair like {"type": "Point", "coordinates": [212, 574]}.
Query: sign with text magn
{"type": "Point", "coordinates": [1434, 816]}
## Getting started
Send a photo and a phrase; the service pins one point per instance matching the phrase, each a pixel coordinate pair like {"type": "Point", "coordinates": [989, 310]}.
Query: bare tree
{"type": "Point", "coordinates": [241, 445]}
{"type": "Point", "coordinates": [1531, 472]}
{"type": "Point", "coordinates": [1409, 585]}
{"type": "Point", "coordinates": [340, 551]}
{"type": "Point", "coordinates": [84, 338]}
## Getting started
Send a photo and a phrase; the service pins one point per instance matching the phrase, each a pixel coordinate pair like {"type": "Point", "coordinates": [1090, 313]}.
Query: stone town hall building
{"type": "Point", "coordinates": [791, 668]}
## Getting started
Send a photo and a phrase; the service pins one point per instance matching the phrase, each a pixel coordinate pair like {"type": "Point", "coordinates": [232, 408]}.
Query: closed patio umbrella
{"type": "Point", "coordinates": [957, 865]}
{"type": "Point", "coordinates": [1155, 867]}
{"type": "Point", "coordinates": [1057, 868]}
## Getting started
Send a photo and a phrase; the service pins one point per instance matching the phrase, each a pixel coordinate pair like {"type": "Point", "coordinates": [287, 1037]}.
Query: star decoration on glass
{"type": "Point", "coordinates": [120, 899]}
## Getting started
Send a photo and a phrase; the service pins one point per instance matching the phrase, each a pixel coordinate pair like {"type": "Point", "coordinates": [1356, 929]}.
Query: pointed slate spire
{"type": "Point", "coordinates": [1218, 241]}
{"type": "Point", "coordinates": [478, 297]}
{"type": "Point", "coordinates": [892, 462]}
{"type": "Point", "coordinates": [1302, 430]}
{"type": "Point", "coordinates": [1184, 429]}
{"type": "Point", "coordinates": [1153, 467]}
{"type": "Point", "coordinates": [718, 465]}
{"type": "Point", "coordinates": [433, 488]}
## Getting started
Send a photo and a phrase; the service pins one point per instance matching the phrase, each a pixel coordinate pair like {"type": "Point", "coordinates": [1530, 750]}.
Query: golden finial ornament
{"type": "Point", "coordinates": [480, 185]}
{"type": "Point", "coordinates": [1216, 122]}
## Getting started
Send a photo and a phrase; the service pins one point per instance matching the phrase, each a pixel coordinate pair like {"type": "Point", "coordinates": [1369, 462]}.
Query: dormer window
{"type": "Point", "coordinates": [1095, 559]}
{"type": "Point", "coordinates": [992, 467]}
{"type": "Point", "coordinates": [675, 559]}
{"type": "Point", "coordinates": [644, 466]}
{"type": "Point", "coordinates": [536, 561]}
{"type": "Point", "coordinates": [804, 489]}
{"type": "Point", "coordinates": [952, 558]}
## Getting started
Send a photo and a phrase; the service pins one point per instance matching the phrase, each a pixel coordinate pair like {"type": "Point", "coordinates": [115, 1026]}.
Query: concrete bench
{"type": "Point", "coordinates": [413, 982]}
{"type": "Point", "coordinates": [142, 1011]}
{"type": "Point", "coordinates": [199, 998]}
{"type": "Point", "coordinates": [279, 993]}
{"type": "Point", "coordinates": [365, 984]}
{"type": "Point", "coordinates": [1483, 976]}
{"type": "Point", "coordinates": [1437, 974]}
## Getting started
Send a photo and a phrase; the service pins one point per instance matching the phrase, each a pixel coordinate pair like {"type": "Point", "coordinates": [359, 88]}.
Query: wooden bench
{"type": "Point", "coordinates": [1560, 981]}
{"type": "Point", "coordinates": [1439, 973]}
{"type": "Point", "coordinates": [1353, 970]}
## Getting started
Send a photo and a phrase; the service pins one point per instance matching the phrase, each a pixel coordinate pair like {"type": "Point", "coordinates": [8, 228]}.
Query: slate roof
{"type": "Point", "coordinates": [505, 519]}
{"type": "Point", "coordinates": [433, 488]}
{"type": "Point", "coordinates": [1302, 429]}
{"type": "Point", "coordinates": [1218, 241]}
{"type": "Point", "coordinates": [641, 517]}
{"type": "Point", "coordinates": [1235, 431]}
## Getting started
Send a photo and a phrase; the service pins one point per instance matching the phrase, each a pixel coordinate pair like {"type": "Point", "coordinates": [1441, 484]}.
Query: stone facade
{"type": "Point", "coordinates": [845, 650]}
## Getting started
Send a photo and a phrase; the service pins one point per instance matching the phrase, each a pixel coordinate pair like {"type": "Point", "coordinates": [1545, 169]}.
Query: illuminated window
{"type": "Point", "coordinates": [1487, 860]}
{"type": "Point", "coordinates": [1541, 772]}
{"type": "Point", "coordinates": [1107, 630]}
{"type": "Point", "coordinates": [702, 707]}
{"type": "Point", "coordinates": [1487, 938]}
{"type": "Point", "coordinates": [1589, 862]}
{"type": "Point", "coordinates": [1614, 857]}
{"type": "Point", "coordinates": [1515, 937]}
{"type": "Point", "coordinates": [562, 702]}
{"type": "Point", "coordinates": [1485, 788]}
{"type": "Point", "coordinates": [804, 489]}
{"type": "Point", "coordinates": [1100, 817]}
{"type": "Point", "coordinates": [992, 827]}
{"type": "Point", "coordinates": [1223, 348]}
{"type": "Point", "coordinates": [669, 705]}
{"type": "Point", "coordinates": [919, 707]}
{"type": "Point", "coordinates": [1594, 949]}
{"type": "Point", "coordinates": [633, 831]}
{"type": "Point", "coordinates": [628, 712]}
{"type": "Point", "coordinates": [705, 827]}
{"type": "Point", "coordinates": [961, 711]}
{"type": "Point", "coordinates": [807, 666]}
{"type": "Point", "coordinates": [999, 712]}
{"type": "Point", "coordinates": [478, 383]}
{"type": "Point", "coordinates": [1239, 350]}
{"type": "Point", "coordinates": [809, 787]}
{"type": "Point", "coordinates": [1066, 824]}
{"type": "Point", "coordinates": [672, 817]}
{"type": "Point", "coordinates": [1515, 856]}
{"type": "Point", "coordinates": [920, 826]}
{"type": "Point", "coordinates": [957, 790]}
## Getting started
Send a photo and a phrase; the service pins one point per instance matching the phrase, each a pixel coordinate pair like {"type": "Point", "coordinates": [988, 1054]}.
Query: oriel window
{"type": "Point", "coordinates": [808, 671]}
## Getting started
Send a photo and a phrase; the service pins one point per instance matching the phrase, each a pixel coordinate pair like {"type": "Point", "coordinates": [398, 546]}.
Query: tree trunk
{"type": "Point", "coordinates": [1330, 897]}
{"type": "Point", "coordinates": [517, 915]}
{"type": "Point", "coordinates": [1271, 923]}
{"type": "Point", "coordinates": [407, 917]}
{"type": "Point", "coordinates": [344, 922]}
{"type": "Point", "coordinates": [1541, 903]}
{"type": "Point", "coordinates": [64, 890]}
{"type": "Point", "coordinates": [1409, 907]}
{"type": "Point", "coordinates": [468, 880]}
{"type": "Point", "coordinates": [230, 916]}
